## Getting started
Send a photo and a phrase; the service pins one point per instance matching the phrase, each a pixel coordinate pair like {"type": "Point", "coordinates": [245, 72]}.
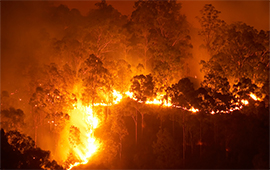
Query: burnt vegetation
{"type": "Point", "coordinates": [214, 123]}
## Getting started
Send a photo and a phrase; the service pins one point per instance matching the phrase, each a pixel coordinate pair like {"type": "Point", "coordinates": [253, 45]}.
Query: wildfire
{"type": "Point", "coordinates": [87, 125]}
{"type": "Point", "coordinates": [89, 122]}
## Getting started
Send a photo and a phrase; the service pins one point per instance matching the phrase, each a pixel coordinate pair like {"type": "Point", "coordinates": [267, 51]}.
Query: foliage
{"type": "Point", "coordinates": [74, 136]}
{"type": "Point", "coordinates": [142, 87]}
{"type": "Point", "coordinates": [104, 31]}
{"type": "Point", "coordinates": [96, 80]}
{"type": "Point", "coordinates": [88, 65]}
{"type": "Point", "coordinates": [160, 33]}
{"type": "Point", "coordinates": [212, 29]}
{"type": "Point", "coordinates": [121, 74]}
{"type": "Point", "coordinates": [12, 119]}
{"type": "Point", "coordinates": [243, 54]}
{"type": "Point", "coordinates": [18, 151]}
{"type": "Point", "coordinates": [181, 93]}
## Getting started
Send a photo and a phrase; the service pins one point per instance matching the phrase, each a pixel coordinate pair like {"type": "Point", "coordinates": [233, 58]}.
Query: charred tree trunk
{"type": "Point", "coordinates": [135, 119]}
{"type": "Point", "coordinates": [36, 128]}
{"type": "Point", "coordinates": [120, 153]}
{"type": "Point", "coordinates": [200, 139]}
{"type": "Point", "coordinates": [191, 141]}
{"type": "Point", "coordinates": [184, 139]}
{"type": "Point", "coordinates": [35, 124]}
{"type": "Point", "coordinates": [215, 132]}
{"type": "Point", "coordinates": [142, 124]}
{"type": "Point", "coordinates": [145, 54]}
{"type": "Point", "coordinates": [173, 125]}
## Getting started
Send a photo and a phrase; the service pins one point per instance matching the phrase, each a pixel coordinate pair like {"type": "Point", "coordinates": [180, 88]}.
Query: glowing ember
{"type": "Point", "coordinates": [245, 102]}
{"type": "Point", "coordinates": [254, 97]}
{"type": "Point", "coordinates": [155, 101]}
{"type": "Point", "coordinates": [193, 110]}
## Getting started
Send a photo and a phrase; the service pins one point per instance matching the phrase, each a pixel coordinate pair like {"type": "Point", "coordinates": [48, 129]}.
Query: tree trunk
{"type": "Point", "coordinates": [120, 153]}
{"type": "Point", "coordinates": [215, 132]}
{"type": "Point", "coordinates": [191, 141]}
{"type": "Point", "coordinates": [136, 126]}
{"type": "Point", "coordinates": [184, 140]}
{"type": "Point", "coordinates": [200, 139]}
{"type": "Point", "coordinates": [173, 125]}
{"type": "Point", "coordinates": [36, 135]}
{"type": "Point", "coordinates": [142, 125]}
{"type": "Point", "coordinates": [35, 126]}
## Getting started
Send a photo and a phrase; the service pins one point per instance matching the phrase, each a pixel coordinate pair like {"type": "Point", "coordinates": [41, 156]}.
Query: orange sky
{"type": "Point", "coordinates": [254, 12]}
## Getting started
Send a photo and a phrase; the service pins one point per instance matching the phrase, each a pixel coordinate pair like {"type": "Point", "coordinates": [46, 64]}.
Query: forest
{"type": "Point", "coordinates": [112, 91]}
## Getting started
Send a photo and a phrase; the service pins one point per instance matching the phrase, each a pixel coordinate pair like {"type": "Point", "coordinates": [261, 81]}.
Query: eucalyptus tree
{"type": "Point", "coordinates": [212, 28]}
{"type": "Point", "coordinates": [96, 81]}
{"type": "Point", "coordinates": [160, 32]}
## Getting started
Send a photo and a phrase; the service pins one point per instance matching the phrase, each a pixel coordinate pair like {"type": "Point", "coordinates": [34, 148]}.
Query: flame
{"type": "Point", "coordinates": [117, 97]}
{"type": "Point", "coordinates": [245, 102]}
{"type": "Point", "coordinates": [192, 109]}
{"type": "Point", "coordinates": [254, 97]}
{"type": "Point", "coordinates": [87, 124]}
{"type": "Point", "coordinates": [129, 94]}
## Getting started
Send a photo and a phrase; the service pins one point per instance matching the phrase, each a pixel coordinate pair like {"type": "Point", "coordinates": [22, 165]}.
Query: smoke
{"type": "Point", "coordinates": [254, 13]}
{"type": "Point", "coordinates": [27, 30]}
{"type": "Point", "coordinates": [22, 44]}
{"type": "Point", "coordinates": [26, 33]}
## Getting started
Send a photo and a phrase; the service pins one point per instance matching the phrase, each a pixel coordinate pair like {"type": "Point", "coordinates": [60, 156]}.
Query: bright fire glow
{"type": "Point", "coordinates": [129, 94]}
{"type": "Point", "coordinates": [245, 102]}
{"type": "Point", "coordinates": [117, 97]}
{"type": "Point", "coordinates": [192, 109]}
{"type": "Point", "coordinates": [87, 124]}
{"type": "Point", "coordinates": [254, 97]}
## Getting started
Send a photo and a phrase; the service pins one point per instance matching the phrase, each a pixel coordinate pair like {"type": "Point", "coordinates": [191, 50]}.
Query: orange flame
{"type": "Point", "coordinates": [245, 102]}
{"type": "Point", "coordinates": [117, 97]}
{"type": "Point", "coordinates": [254, 97]}
{"type": "Point", "coordinates": [87, 125]}
{"type": "Point", "coordinates": [90, 145]}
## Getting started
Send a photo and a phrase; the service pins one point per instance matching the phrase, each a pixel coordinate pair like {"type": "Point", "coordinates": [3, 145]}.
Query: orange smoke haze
{"type": "Point", "coordinates": [254, 13]}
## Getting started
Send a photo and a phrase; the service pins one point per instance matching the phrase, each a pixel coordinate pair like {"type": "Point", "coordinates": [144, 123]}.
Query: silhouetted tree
{"type": "Point", "coordinates": [18, 151]}
{"type": "Point", "coordinates": [12, 119]}
{"type": "Point", "coordinates": [212, 29]}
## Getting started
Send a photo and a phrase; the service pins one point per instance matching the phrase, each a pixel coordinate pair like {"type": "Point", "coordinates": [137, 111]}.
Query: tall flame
{"type": "Point", "coordinates": [84, 119]}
